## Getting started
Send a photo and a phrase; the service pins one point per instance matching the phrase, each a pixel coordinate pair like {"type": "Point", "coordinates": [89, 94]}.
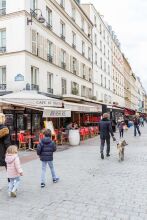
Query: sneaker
{"type": "Point", "coordinates": [56, 180]}
{"type": "Point", "coordinates": [13, 194]}
{"type": "Point", "coordinates": [102, 156]}
{"type": "Point", "coordinates": [42, 185]}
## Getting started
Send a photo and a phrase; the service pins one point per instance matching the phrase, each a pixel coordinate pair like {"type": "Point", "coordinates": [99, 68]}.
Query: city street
{"type": "Point", "coordinates": [89, 188]}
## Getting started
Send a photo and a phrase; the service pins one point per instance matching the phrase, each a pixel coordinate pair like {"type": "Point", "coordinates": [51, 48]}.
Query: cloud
{"type": "Point", "coordinates": [129, 21]}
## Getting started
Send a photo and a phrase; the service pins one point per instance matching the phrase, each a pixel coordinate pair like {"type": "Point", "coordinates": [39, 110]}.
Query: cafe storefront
{"type": "Point", "coordinates": [26, 112]}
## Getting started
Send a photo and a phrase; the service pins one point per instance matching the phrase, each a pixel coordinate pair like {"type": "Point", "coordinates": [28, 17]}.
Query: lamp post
{"type": "Point", "coordinates": [40, 19]}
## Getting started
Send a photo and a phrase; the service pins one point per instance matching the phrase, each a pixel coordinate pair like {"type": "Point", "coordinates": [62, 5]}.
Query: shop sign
{"type": "Point", "coordinates": [48, 113]}
{"type": "Point", "coordinates": [19, 77]}
{"type": "Point", "coordinates": [83, 108]}
{"type": "Point", "coordinates": [37, 102]}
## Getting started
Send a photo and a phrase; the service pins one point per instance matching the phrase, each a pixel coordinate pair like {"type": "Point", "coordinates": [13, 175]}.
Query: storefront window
{"type": "Point", "coordinates": [36, 122]}
{"type": "Point", "coordinates": [20, 122]}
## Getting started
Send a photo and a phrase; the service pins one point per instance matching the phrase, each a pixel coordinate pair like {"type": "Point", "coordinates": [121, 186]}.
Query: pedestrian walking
{"type": "Point", "coordinates": [121, 129]}
{"type": "Point", "coordinates": [14, 170]}
{"type": "Point", "coordinates": [105, 131]}
{"type": "Point", "coordinates": [142, 121]}
{"type": "Point", "coordinates": [45, 151]}
{"type": "Point", "coordinates": [136, 126]}
{"type": "Point", "coordinates": [4, 139]}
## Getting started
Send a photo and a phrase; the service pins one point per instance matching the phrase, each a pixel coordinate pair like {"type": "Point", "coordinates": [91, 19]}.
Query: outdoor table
{"type": "Point", "coordinates": [30, 137]}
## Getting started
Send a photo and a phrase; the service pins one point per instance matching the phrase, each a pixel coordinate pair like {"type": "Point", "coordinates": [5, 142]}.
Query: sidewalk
{"type": "Point", "coordinates": [89, 189]}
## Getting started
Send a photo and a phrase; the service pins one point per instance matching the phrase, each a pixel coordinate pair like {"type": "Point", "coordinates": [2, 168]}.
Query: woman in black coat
{"type": "Point", "coordinates": [4, 139]}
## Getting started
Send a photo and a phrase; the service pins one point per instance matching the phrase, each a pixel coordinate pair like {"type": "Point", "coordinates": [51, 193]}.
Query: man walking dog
{"type": "Point", "coordinates": [105, 131]}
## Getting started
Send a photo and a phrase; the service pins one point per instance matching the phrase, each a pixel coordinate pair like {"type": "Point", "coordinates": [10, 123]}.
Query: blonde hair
{"type": "Point", "coordinates": [2, 118]}
{"type": "Point", "coordinates": [12, 149]}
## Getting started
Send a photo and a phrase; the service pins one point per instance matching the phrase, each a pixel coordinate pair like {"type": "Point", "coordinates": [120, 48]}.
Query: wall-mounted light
{"type": "Point", "coordinates": [40, 18]}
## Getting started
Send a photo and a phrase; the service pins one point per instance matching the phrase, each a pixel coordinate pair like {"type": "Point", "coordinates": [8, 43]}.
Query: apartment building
{"type": "Point", "coordinates": [127, 85]}
{"type": "Point", "coordinates": [50, 53]}
{"type": "Point", "coordinates": [102, 77]}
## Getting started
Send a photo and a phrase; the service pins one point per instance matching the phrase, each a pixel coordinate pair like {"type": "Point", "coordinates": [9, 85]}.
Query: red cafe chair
{"type": "Point", "coordinates": [22, 141]}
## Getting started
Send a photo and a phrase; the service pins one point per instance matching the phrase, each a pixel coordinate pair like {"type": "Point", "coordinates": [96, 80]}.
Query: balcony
{"type": "Point", "coordinates": [63, 65]}
{"type": "Point", "coordinates": [49, 26]}
{"type": "Point", "coordinates": [74, 72]}
{"type": "Point", "coordinates": [3, 86]}
{"type": "Point", "coordinates": [62, 6]}
{"type": "Point", "coordinates": [75, 91]}
{"type": "Point", "coordinates": [49, 90]}
{"type": "Point", "coordinates": [49, 58]}
{"type": "Point", "coordinates": [62, 37]}
{"type": "Point", "coordinates": [35, 87]}
{"type": "Point", "coordinates": [2, 49]}
{"type": "Point", "coordinates": [74, 46]}
{"type": "Point", "coordinates": [2, 11]}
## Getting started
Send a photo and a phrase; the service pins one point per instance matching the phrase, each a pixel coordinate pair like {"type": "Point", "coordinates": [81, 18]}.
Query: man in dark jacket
{"type": "Point", "coordinates": [4, 140]}
{"type": "Point", "coordinates": [45, 151]}
{"type": "Point", "coordinates": [105, 131]}
{"type": "Point", "coordinates": [136, 125]}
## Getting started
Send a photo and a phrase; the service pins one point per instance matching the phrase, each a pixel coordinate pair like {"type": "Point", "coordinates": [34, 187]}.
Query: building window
{"type": "Point", "coordinates": [33, 4]}
{"type": "Point", "coordinates": [104, 34]}
{"type": "Point", "coordinates": [83, 48]}
{"type": "Point", "coordinates": [2, 40]}
{"type": "Point", "coordinates": [89, 53]}
{"type": "Point", "coordinates": [49, 18]}
{"type": "Point", "coordinates": [105, 83]}
{"type": "Point", "coordinates": [62, 30]}
{"type": "Point", "coordinates": [50, 83]}
{"type": "Point", "coordinates": [104, 50]}
{"type": "Point", "coordinates": [90, 75]}
{"type": "Point", "coordinates": [105, 66]}
{"type": "Point", "coordinates": [64, 86]}
{"type": "Point", "coordinates": [89, 31]}
{"type": "Point", "coordinates": [109, 84]}
{"type": "Point", "coordinates": [50, 52]}
{"type": "Point", "coordinates": [82, 24]}
{"type": "Point", "coordinates": [100, 45]}
{"type": "Point", "coordinates": [108, 54]}
{"type": "Point", "coordinates": [108, 69]}
{"type": "Point", "coordinates": [34, 78]}
{"type": "Point", "coordinates": [74, 65]}
{"type": "Point", "coordinates": [63, 59]}
{"type": "Point", "coordinates": [2, 78]}
{"type": "Point", "coordinates": [73, 40]}
{"type": "Point", "coordinates": [62, 3]}
{"type": "Point", "coordinates": [95, 39]}
{"type": "Point", "coordinates": [96, 58]}
{"type": "Point", "coordinates": [74, 88]}
{"type": "Point", "coordinates": [2, 7]}
{"type": "Point", "coordinates": [84, 71]}
{"type": "Point", "coordinates": [101, 63]}
{"type": "Point", "coordinates": [73, 13]}
{"type": "Point", "coordinates": [83, 91]}
{"type": "Point", "coordinates": [95, 21]}
{"type": "Point", "coordinates": [101, 80]}
{"type": "Point", "coordinates": [100, 29]}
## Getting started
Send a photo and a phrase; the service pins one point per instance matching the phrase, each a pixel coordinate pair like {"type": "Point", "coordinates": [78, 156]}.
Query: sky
{"type": "Point", "coordinates": [128, 19]}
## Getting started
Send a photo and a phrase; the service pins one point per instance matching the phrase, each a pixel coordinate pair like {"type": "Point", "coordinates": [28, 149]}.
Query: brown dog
{"type": "Point", "coordinates": [121, 148]}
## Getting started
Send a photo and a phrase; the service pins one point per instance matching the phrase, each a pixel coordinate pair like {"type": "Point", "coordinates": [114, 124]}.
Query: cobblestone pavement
{"type": "Point", "coordinates": [89, 188]}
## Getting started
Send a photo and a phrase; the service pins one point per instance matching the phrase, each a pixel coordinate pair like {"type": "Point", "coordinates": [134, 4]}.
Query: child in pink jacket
{"type": "Point", "coordinates": [14, 170]}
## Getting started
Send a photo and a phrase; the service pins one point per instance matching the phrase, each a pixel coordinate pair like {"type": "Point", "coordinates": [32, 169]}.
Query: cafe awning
{"type": "Point", "coordinates": [56, 113]}
{"type": "Point", "coordinates": [75, 107]}
{"type": "Point", "coordinates": [31, 98]}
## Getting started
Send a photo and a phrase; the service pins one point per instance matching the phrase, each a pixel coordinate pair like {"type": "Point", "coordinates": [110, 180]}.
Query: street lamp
{"type": "Point", "coordinates": [40, 19]}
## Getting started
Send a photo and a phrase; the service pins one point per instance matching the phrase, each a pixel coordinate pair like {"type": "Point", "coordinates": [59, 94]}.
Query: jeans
{"type": "Point", "coordinates": [51, 166]}
{"type": "Point", "coordinates": [103, 144]}
{"type": "Point", "coordinates": [136, 127]}
{"type": "Point", "coordinates": [121, 132]}
{"type": "Point", "coordinates": [13, 184]}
